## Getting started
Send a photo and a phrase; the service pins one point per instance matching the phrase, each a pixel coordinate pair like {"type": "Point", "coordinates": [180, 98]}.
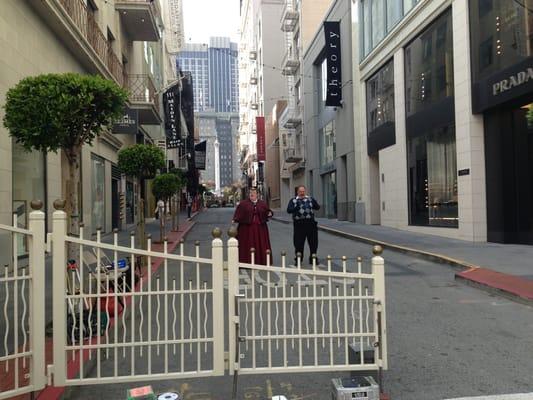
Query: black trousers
{"type": "Point", "coordinates": [305, 230]}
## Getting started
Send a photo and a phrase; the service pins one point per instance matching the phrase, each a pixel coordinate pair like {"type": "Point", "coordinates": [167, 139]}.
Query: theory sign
{"type": "Point", "coordinates": [333, 55]}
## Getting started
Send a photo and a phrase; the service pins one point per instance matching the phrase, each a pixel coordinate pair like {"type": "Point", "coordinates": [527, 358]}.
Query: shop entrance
{"type": "Point", "coordinates": [509, 169]}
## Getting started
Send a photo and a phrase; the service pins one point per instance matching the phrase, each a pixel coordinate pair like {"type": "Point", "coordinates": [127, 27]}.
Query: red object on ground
{"type": "Point", "coordinates": [514, 285]}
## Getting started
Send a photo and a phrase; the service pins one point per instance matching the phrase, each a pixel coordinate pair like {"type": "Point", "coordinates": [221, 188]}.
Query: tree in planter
{"type": "Point", "coordinates": [164, 187]}
{"type": "Point", "coordinates": [141, 161]}
{"type": "Point", "coordinates": [54, 112]}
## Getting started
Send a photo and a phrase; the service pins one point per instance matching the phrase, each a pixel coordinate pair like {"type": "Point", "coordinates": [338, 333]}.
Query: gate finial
{"type": "Point", "coordinates": [60, 204]}
{"type": "Point", "coordinates": [216, 233]}
{"type": "Point", "coordinates": [232, 232]}
{"type": "Point", "coordinates": [36, 205]}
{"type": "Point", "coordinates": [377, 250]}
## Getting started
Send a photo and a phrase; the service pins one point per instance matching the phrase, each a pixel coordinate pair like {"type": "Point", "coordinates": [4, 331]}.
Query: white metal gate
{"type": "Point", "coordinates": [111, 327]}
{"type": "Point", "coordinates": [291, 318]}
{"type": "Point", "coordinates": [169, 324]}
{"type": "Point", "coordinates": [22, 358]}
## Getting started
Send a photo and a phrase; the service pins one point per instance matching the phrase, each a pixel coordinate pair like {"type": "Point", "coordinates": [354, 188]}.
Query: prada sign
{"type": "Point", "coordinates": [513, 81]}
{"type": "Point", "coordinates": [511, 84]}
{"type": "Point", "coordinates": [332, 30]}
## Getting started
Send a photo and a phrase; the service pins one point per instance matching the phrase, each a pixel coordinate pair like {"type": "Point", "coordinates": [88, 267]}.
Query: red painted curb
{"type": "Point", "coordinates": [519, 287]}
{"type": "Point", "coordinates": [73, 366]}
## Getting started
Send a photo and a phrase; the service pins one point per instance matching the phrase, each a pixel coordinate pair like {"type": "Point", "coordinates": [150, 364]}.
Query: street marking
{"type": "Point", "coordinates": [269, 389]}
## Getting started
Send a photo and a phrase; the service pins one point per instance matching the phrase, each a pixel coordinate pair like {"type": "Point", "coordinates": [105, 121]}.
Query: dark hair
{"type": "Point", "coordinates": [301, 186]}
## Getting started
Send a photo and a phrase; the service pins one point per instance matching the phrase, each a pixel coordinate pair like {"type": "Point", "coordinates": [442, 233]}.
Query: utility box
{"type": "Point", "coordinates": [361, 388]}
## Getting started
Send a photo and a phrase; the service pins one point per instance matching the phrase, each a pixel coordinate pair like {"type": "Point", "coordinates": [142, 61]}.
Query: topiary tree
{"type": "Point", "coordinates": [164, 187]}
{"type": "Point", "coordinates": [54, 112]}
{"type": "Point", "coordinates": [141, 161]}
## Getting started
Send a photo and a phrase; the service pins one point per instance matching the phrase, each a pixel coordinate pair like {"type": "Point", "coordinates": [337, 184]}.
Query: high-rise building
{"type": "Point", "coordinates": [223, 75]}
{"type": "Point", "coordinates": [214, 69]}
{"type": "Point", "coordinates": [194, 57]}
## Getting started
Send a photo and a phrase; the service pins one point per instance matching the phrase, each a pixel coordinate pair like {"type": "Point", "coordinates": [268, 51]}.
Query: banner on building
{"type": "Point", "coordinates": [260, 130]}
{"type": "Point", "coordinates": [129, 123]}
{"type": "Point", "coordinates": [200, 151]}
{"type": "Point", "coordinates": [332, 30]}
{"type": "Point", "coordinates": [171, 104]}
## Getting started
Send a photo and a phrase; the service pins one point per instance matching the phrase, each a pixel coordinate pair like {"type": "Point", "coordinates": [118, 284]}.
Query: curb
{"type": "Point", "coordinates": [463, 268]}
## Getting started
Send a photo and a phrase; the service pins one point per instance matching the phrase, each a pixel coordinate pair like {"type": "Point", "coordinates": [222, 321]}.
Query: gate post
{"type": "Point", "coordinates": [233, 291]}
{"type": "Point", "coordinates": [59, 224]}
{"type": "Point", "coordinates": [37, 293]}
{"type": "Point", "coordinates": [380, 320]}
{"type": "Point", "coordinates": [218, 301]}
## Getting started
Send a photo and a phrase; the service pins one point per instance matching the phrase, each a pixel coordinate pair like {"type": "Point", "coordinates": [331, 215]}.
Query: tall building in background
{"type": "Point", "coordinates": [223, 75]}
{"type": "Point", "coordinates": [194, 57]}
{"type": "Point", "coordinates": [261, 52]}
{"type": "Point", "coordinates": [214, 69]}
{"type": "Point", "coordinates": [176, 39]}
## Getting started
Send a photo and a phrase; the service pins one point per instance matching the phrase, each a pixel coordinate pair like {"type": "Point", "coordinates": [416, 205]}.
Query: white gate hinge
{"type": "Point", "coordinates": [48, 242]}
{"type": "Point", "coordinates": [226, 360]}
{"type": "Point", "coordinates": [225, 266]}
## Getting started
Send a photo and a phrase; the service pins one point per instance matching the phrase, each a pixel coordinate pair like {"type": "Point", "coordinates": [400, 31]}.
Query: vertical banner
{"type": "Point", "coordinates": [332, 30]}
{"type": "Point", "coordinates": [260, 130]}
{"type": "Point", "coordinates": [200, 150]}
{"type": "Point", "coordinates": [171, 104]}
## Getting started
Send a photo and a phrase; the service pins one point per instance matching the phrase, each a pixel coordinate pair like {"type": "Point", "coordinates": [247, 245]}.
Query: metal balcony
{"type": "Point", "coordinates": [291, 63]}
{"type": "Point", "coordinates": [289, 17]}
{"type": "Point", "coordinates": [139, 18]}
{"type": "Point", "coordinates": [143, 97]}
{"type": "Point", "coordinates": [293, 155]}
{"type": "Point", "coordinates": [293, 119]}
{"type": "Point", "coordinates": [75, 24]}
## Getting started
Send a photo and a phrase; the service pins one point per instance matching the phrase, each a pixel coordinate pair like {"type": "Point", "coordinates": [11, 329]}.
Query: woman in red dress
{"type": "Point", "coordinates": [252, 215]}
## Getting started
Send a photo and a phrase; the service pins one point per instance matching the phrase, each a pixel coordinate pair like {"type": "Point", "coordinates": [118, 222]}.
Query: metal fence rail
{"type": "Point", "coordinates": [22, 309]}
{"type": "Point", "coordinates": [123, 327]}
{"type": "Point", "coordinates": [296, 319]}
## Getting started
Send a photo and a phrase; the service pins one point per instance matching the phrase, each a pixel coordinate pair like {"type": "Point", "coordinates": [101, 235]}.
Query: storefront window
{"type": "Point", "coordinates": [501, 33]}
{"type": "Point", "coordinates": [328, 149]}
{"type": "Point", "coordinates": [98, 192]}
{"type": "Point", "coordinates": [29, 179]}
{"type": "Point", "coordinates": [429, 66]}
{"type": "Point", "coordinates": [432, 161]}
{"type": "Point", "coordinates": [380, 97]}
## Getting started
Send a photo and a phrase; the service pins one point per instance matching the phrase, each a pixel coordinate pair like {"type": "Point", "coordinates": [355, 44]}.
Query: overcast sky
{"type": "Point", "coordinates": [206, 18]}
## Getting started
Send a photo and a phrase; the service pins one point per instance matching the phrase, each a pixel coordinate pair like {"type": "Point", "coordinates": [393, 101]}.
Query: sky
{"type": "Point", "coordinates": [206, 18]}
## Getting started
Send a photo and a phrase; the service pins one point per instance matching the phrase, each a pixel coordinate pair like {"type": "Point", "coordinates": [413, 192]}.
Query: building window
{"type": "Point", "coordinates": [378, 18]}
{"type": "Point", "coordinates": [431, 149]}
{"type": "Point", "coordinates": [98, 192]}
{"type": "Point", "coordinates": [429, 66]}
{"type": "Point", "coordinates": [380, 97]}
{"type": "Point", "coordinates": [432, 161]}
{"type": "Point", "coordinates": [501, 34]}
{"type": "Point", "coordinates": [328, 149]}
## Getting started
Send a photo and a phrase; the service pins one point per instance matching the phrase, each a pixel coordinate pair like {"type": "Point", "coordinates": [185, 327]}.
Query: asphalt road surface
{"type": "Point", "coordinates": [445, 339]}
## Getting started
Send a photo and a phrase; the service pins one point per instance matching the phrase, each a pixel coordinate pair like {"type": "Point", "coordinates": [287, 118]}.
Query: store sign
{"type": "Point", "coordinates": [128, 124]}
{"type": "Point", "coordinates": [171, 105]}
{"type": "Point", "coordinates": [512, 81]}
{"type": "Point", "coordinates": [200, 151]}
{"type": "Point", "coordinates": [261, 147]}
{"type": "Point", "coordinates": [332, 30]}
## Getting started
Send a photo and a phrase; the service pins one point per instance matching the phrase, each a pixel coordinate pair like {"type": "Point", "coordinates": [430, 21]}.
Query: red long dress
{"type": "Point", "coordinates": [253, 230]}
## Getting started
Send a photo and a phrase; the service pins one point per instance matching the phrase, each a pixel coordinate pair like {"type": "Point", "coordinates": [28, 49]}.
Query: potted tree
{"type": "Point", "coordinates": [63, 112]}
{"type": "Point", "coordinates": [164, 187]}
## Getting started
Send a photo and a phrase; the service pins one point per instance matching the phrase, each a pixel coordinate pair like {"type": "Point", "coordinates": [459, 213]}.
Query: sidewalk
{"type": "Point", "coordinates": [501, 268]}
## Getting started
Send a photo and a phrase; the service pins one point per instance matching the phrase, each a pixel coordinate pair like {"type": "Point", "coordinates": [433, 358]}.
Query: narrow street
{"type": "Point", "coordinates": [445, 339]}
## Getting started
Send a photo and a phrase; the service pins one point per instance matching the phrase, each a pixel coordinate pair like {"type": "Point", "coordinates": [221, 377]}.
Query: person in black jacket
{"type": "Point", "coordinates": [303, 217]}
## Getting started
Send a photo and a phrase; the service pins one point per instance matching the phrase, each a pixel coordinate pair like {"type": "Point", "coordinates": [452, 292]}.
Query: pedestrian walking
{"type": "Point", "coordinates": [252, 216]}
{"type": "Point", "coordinates": [189, 206]}
{"type": "Point", "coordinates": [159, 209]}
{"type": "Point", "coordinates": [305, 227]}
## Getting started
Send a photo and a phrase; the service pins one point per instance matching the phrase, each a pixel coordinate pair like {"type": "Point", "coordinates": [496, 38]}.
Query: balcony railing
{"type": "Point", "coordinates": [291, 62]}
{"type": "Point", "coordinates": [141, 88]}
{"type": "Point", "coordinates": [289, 16]}
{"type": "Point", "coordinates": [293, 155]}
{"type": "Point", "coordinates": [84, 20]}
